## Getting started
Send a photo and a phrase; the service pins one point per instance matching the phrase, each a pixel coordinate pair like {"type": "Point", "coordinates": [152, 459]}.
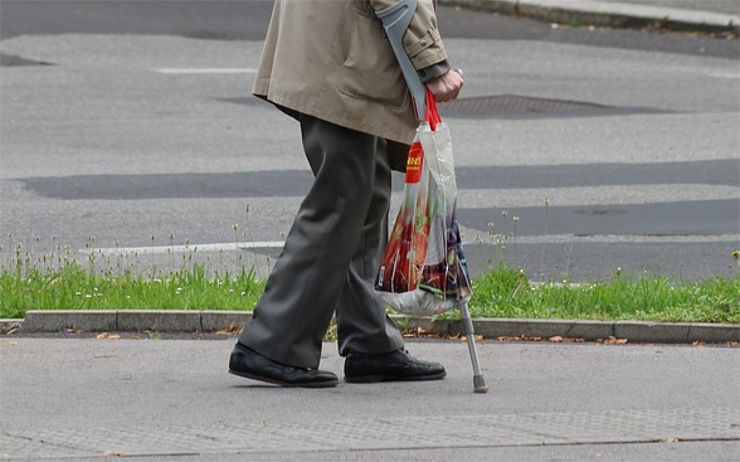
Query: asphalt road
{"type": "Point", "coordinates": [129, 125]}
{"type": "Point", "coordinates": [247, 20]}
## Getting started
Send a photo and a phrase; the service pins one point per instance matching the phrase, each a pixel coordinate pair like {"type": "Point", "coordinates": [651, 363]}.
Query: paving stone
{"type": "Point", "coordinates": [657, 332]}
{"type": "Point", "coordinates": [159, 320]}
{"type": "Point", "coordinates": [219, 320]}
{"type": "Point", "coordinates": [451, 431]}
{"type": "Point", "coordinates": [714, 333]}
{"type": "Point", "coordinates": [196, 321]}
{"type": "Point", "coordinates": [538, 328]}
{"type": "Point", "coordinates": [56, 320]}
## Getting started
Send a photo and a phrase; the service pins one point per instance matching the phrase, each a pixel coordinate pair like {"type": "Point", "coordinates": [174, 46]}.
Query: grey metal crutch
{"type": "Point", "coordinates": [396, 19]}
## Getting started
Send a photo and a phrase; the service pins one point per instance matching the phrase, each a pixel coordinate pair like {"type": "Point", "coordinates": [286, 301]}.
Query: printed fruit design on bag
{"type": "Point", "coordinates": [420, 240]}
{"type": "Point", "coordinates": [448, 277]}
{"type": "Point", "coordinates": [403, 260]}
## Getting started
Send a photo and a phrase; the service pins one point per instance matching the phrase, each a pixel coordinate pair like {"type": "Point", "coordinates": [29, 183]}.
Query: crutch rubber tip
{"type": "Point", "coordinates": [479, 384]}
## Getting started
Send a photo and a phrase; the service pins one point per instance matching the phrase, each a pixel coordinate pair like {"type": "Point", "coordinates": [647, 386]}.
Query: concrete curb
{"type": "Point", "coordinates": [605, 14]}
{"type": "Point", "coordinates": [40, 321]}
{"type": "Point", "coordinates": [131, 320]}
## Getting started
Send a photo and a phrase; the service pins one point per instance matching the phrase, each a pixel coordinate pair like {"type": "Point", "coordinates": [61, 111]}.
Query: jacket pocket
{"type": "Point", "coordinates": [369, 69]}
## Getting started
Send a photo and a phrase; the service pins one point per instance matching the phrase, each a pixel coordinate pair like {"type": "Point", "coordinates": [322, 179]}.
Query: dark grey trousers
{"type": "Point", "coordinates": [331, 255]}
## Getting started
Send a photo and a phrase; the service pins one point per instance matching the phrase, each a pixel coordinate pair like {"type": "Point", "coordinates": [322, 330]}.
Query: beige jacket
{"type": "Point", "coordinates": [330, 59]}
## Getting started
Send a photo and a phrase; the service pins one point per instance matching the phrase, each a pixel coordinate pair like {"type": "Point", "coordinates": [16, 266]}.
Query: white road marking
{"type": "Point", "coordinates": [604, 196]}
{"type": "Point", "coordinates": [723, 75]}
{"type": "Point", "coordinates": [471, 236]}
{"type": "Point", "coordinates": [205, 70]}
{"type": "Point", "coordinates": [163, 249]}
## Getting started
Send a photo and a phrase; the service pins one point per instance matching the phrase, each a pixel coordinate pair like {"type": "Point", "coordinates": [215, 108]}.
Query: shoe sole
{"type": "Point", "coordinates": [326, 384]}
{"type": "Point", "coordinates": [394, 378]}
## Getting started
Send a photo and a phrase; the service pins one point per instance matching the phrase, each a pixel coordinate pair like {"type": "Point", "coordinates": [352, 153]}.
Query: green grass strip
{"type": "Point", "coordinates": [499, 292]}
{"type": "Point", "coordinates": [504, 292]}
{"type": "Point", "coordinates": [75, 288]}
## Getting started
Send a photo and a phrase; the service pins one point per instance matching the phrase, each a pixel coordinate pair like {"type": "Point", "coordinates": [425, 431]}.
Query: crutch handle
{"type": "Point", "coordinates": [396, 19]}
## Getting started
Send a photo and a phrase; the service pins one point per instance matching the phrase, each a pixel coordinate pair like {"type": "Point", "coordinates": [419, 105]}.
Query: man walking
{"type": "Point", "coordinates": [327, 64]}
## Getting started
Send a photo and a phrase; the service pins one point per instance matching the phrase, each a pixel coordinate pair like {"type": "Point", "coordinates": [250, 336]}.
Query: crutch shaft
{"type": "Point", "coordinates": [479, 383]}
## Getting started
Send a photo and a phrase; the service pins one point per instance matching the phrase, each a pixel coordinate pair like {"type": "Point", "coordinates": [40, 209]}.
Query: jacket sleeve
{"type": "Point", "coordinates": [435, 70]}
{"type": "Point", "coordinates": [422, 41]}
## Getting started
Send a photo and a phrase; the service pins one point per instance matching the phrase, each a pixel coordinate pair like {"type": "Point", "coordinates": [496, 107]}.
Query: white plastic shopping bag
{"type": "Point", "coordinates": [423, 270]}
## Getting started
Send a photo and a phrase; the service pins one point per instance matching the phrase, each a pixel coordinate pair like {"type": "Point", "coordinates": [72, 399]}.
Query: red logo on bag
{"type": "Point", "coordinates": [414, 163]}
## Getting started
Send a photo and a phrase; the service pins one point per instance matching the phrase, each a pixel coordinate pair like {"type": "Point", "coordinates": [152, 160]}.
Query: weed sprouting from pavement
{"type": "Point", "coordinates": [544, 241]}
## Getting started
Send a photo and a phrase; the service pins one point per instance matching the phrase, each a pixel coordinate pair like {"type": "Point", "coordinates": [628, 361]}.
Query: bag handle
{"type": "Point", "coordinates": [432, 115]}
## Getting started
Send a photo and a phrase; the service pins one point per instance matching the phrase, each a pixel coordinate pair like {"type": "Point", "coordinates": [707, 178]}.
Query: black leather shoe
{"type": "Point", "coordinates": [397, 365]}
{"type": "Point", "coordinates": [246, 362]}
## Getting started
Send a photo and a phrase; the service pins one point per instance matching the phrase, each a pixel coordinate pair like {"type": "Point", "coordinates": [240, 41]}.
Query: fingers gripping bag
{"type": "Point", "coordinates": [423, 270]}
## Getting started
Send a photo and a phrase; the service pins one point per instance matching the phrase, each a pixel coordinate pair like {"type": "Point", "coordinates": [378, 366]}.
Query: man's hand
{"type": "Point", "coordinates": [446, 86]}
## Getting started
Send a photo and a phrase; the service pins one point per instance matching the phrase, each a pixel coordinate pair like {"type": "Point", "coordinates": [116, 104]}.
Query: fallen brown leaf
{"type": "Point", "coordinates": [232, 329]}
{"type": "Point", "coordinates": [699, 343]}
{"type": "Point", "coordinates": [113, 454]}
{"type": "Point", "coordinates": [519, 338]}
{"type": "Point", "coordinates": [611, 340]}
{"type": "Point", "coordinates": [556, 339]}
{"type": "Point", "coordinates": [476, 338]}
{"type": "Point", "coordinates": [672, 440]}
{"type": "Point", "coordinates": [106, 335]}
